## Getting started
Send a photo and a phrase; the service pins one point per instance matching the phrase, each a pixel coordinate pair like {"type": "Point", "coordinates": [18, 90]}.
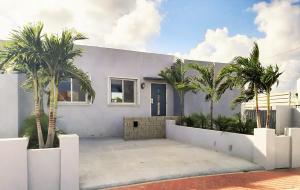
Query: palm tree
{"type": "Point", "coordinates": [246, 73]}
{"type": "Point", "coordinates": [206, 81]}
{"type": "Point", "coordinates": [269, 78]}
{"type": "Point", "coordinates": [23, 53]}
{"type": "Point", "coordinates": [175, 76]}
{"type": "Point", "coordinates": [59, 55]}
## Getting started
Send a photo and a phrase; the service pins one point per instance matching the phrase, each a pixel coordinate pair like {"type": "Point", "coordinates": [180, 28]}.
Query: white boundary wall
{"type": "Point", "coordinates": [39, 169]}
{"type": "Point", "coordinates": [13, 164]}
{"type": "Point", "coordinates": [264, 147]}
{"type": "Point", "coordinates": [231, 143]}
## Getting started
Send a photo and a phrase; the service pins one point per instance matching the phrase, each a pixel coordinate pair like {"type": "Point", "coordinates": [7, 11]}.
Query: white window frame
{"type": "Point", "coordinates": [136, 91]}
{"type": "Point", "coordinates": [86, 102]}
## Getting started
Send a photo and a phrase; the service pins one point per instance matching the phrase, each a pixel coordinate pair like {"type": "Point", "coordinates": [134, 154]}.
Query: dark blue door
{"type": "Point", "coordinates": [158, 99]}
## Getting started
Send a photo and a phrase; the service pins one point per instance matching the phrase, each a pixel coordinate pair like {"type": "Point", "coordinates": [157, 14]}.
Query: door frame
{"type": "Point", "coordinates": [166, 96]}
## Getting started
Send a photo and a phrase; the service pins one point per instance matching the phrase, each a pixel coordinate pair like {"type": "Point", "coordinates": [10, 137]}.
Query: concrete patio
{"type": "Point", "coordinates": [113, 162]}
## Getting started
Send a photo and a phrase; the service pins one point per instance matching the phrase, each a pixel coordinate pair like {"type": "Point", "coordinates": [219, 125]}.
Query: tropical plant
{"type": "Point", "coordinates": [176, 77]}
{"type": "Point", "coordinates": [206, 81]}
{"type": "Point", "coordinates": [198, 120]}
{"type": "Point", "coordinates": [245, 73]}
{"type": "Point", "coordinates": [23, 52]}
{"type": "Point", "coordinates": [59, 55]}
{"type": "Point", "coordinates": [28, 129]}
{"type": "Point", "coordinates": [269, 78]}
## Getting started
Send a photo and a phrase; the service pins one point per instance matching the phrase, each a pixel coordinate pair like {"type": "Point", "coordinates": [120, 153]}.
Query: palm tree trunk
{"type": "Point", "coordinates": [37, 112]}
{"type": "Point", "coordinates": [51, 124]}
{"type": "Point", "coordinates": [268, 110]}
{"type": "Point", "coordinates": [258, 119]}
{"type": "Point", "coordinates": [211, 113]}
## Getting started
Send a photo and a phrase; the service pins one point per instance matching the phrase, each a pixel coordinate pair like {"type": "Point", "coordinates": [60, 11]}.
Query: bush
{"type": "Point", "coordinates": [28, 129]}
{"type": "Point", "coordinates": [197, 120]}
{"type": "Point", "coordinates": [223, 123]}
{"type": "Point", "coordinates": [233, 124]}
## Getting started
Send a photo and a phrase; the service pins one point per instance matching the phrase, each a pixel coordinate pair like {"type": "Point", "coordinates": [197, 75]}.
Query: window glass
{"type": "Point", "coordinates": [64, 90]}
{"type": "Point", "coordinates": [116, 91]}
{"type": "Point", "coordinates": [128, 91]}
{"type": "Point", "coordinates": [77, 94]}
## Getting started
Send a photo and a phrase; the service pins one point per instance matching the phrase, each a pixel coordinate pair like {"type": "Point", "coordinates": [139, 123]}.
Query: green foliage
{"type": "Point", "coordinates": [28, 129]}
{"type": "Point", "coordinates": [234, 124]}
{"type": "Point", "coordinates": [198, 120]}
{"type": "Point", "coordinates": [175, 76]}
{"type": "Point", "coordinates": [224, 123]}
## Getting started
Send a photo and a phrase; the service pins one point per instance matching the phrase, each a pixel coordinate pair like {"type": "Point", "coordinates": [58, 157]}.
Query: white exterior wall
{"type": "Point", "coordinates": [44, 169]}
{"type": "Point", "coordinates": [101, 119]}
{"type": "Point", "coordinates": [39, 169]}
{"type": "Point", "coordinates": [264, 147]}
{"type": "Point", "coordinates": [283, 118]}
{"type": "Point", "coordinates": [13, 164]}
{"type": "Point", "coordinates": [69, 170]}
{"type": "Point", "coordinates": [282, 158]}
{"type": "Point", "coordinates": [239, 145]}
{"type": "Point", "coordinates": [294, 133]}
{"type": "Point", "coordinates": [9, 105]}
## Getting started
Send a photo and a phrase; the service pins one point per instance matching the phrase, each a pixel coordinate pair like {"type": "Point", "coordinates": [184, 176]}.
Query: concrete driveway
{"type": "Point", "coordinates": [113, 162]}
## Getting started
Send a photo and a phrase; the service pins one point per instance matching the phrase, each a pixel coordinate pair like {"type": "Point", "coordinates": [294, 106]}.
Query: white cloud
{"type": "Point", "coordinates": [280, 23]}
{"type": "Point", "coordinates": [114, 23]}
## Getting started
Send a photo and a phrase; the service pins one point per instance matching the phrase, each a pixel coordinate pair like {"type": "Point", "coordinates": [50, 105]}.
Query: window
{"type": "Point", "coordinates": [70, 91]}
{"type": "Point", "coordinates": [122, 91]}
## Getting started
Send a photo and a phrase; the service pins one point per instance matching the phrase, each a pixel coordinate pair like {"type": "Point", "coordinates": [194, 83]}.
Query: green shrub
{"type": "Point", "coordinates": [197, 120]}
{"type": "Point", "coordinates": [223, 123]}
{"type": "Point", "coordinates": [245, 126]}
{"type": "Point", "coordinates": [28, 129]}
{"type": "Point", "coordinates": [233, 124]}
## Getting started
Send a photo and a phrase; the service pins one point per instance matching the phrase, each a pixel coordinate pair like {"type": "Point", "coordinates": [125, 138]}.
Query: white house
{"type": "Point", "coordinates": [126, 85]}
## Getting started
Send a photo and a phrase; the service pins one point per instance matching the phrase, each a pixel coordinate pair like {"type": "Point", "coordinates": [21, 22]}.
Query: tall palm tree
{"type": "Point", "coordinates": [23, 51]}
{"type": "Point", "coordinates": [247, 72]}
{"type": "Point", "coordinates": [176, 77]}
{"type": "Point", "coordinates": [269, 78]}
{"type": "Point", "coordinates": [205, 80]}
{"type": "Point", "coordinates": [59, 55]}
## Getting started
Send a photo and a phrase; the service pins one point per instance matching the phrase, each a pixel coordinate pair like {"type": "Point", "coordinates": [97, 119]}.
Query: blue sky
{"type": "Point", "coordinates": [185, 23]}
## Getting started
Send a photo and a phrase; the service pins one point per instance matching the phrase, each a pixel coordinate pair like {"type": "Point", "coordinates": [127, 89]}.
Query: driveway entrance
{"type": "Point", "coordinates": [113, 162]}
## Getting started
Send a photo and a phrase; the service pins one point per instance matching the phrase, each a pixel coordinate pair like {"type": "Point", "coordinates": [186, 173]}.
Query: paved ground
{"type": "Point", "coordinates": [266, 180]}
{"type": "Point", "coordinates": [114, 162]}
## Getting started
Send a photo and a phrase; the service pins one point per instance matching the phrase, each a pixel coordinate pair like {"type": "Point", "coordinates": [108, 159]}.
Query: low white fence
{"type": "Point", "coordinates": [264, 147]}
{"type": "Point", "coordinates": [39, 169]}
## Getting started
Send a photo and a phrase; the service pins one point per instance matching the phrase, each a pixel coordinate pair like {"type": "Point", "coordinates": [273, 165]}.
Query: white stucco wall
{"type": "Point", "coordinates": [69, 171]}
{"type": "Point", "coordinates": [283, 118]}
{"type": "Point", "coordinates": [282, 157]}
{"type": "Point", "coordinates": [100, 119]}
{"type": "Point", "coordinates": [9, 105]}
{"type": "Point", "coordinates": [239, 145]}
{"type": "Point", "coordinates": [44, 169]}
{"type": "Point", "coordinates": [264, 147]}
{"type": "Point", "coordinates": [39, 169]}
{"type": "Point", "coordinates": [13, 163]}
{"type": "Point", "coordinates": [294, 133]}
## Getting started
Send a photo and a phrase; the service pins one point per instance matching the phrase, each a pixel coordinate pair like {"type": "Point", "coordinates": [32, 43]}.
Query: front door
{"type": "Point", "coordinates": [158, 99]}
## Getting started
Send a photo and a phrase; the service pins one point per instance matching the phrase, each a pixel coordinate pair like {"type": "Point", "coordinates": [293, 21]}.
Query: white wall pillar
{"type": "Point", "coordinates": [9, 105]}
{"type": "Point", "coordinates": [43, 169]}
{"type": "Point", "coordinates": [294, 133]}
{"type": "Point", "coordinates": [69, 145]}
{"type": "Point", "coordinates": [283, 118]}
{"type": "Point", "coordinates": [264, 152]}
{"type": "Point", "coordinates": [13, 164]}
